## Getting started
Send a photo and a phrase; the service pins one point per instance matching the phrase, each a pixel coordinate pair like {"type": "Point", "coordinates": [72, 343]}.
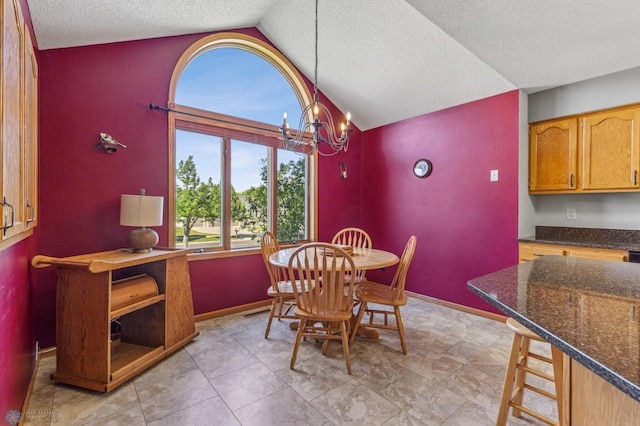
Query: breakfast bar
{"type": "Point", "coordinates": [589, 310]}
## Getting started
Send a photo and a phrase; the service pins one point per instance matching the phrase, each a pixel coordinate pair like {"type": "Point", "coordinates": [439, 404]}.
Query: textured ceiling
{"type": "Point", "coordinates": [386, 60]}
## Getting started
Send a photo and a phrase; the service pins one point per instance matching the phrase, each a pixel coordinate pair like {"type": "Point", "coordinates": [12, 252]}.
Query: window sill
{"type": "Point", "coordinates": [196, 255]}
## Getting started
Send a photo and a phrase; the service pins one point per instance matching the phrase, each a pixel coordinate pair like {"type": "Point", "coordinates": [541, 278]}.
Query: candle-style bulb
{"type": "Point", "coordinates": [284, 116]}
{"type": "Point", "coordinates": [348, 118]}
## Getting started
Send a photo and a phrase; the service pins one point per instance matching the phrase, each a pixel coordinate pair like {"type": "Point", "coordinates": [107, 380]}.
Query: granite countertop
{"type": "Point", "coordinates": [589, 309]}
{"type": "Point", "coordinates": [615, 239]}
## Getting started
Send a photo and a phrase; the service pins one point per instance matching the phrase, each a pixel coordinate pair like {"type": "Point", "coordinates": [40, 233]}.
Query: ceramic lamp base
{"type": "Point", "coordinates": [142, 240]}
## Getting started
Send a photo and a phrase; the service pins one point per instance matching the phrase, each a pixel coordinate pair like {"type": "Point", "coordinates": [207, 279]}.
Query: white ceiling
{"type": "Point", "coordinates": [386, 60]}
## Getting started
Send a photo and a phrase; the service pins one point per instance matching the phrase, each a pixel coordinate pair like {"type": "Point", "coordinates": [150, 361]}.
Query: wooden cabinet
{"type": "Point", "coordinates": [30, 133]}
{"type": "Point", "coordinates": [600, 311]}
{"type": "Point", "coordinates": [150, 328]}
{"type": "Point", "coordinates": [553, 147]}
{"type": "Point", "coordinates": [604, 145]}
{"type": "Point", "coordinates": [12, 159]}
{"type": "Point", "coordinates": [610, 149]}
{"type": "Point", "coordinates": [594, 401]}
{"type": "Point", "coordinates": [529, 251]}
{"type": "Point", "coordinates": [18, 131]}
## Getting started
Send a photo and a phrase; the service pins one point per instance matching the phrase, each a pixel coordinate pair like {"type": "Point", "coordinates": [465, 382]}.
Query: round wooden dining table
{"type": "Point", "coordinates": [363, 259]}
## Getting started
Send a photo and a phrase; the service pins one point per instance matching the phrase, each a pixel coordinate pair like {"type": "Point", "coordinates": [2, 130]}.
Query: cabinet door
{"type": "Point", "coordinates": [552, 155]}
{"type": "Point", "coordinates": [11, 194]}
{"type": "Point", "coordinates": [619, 318]}
{"type": "Point", "coordinates": [529, 251]}
{"type": "Point", "coordinates": [30, 133]}
{"type": "Point", "coordinates": [555, 305]}
{"type": "Point", "coordinates": [600, 254]}
{"type": "Point", "coordinates": [610, 145]}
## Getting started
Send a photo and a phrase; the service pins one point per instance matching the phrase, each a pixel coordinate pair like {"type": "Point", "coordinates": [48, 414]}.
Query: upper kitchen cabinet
{"type": "Point", "coordinates": [552, 155]}
{"type": "Point", "coordinates": [603, 156]}
{"type": "Point", "coordinates": [610, 146]}
{"type": "Point", "coordinates": [18, 127]}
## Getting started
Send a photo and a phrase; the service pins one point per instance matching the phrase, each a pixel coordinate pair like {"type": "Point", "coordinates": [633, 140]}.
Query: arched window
{"type": "Point", "coordinates": [232, 178]}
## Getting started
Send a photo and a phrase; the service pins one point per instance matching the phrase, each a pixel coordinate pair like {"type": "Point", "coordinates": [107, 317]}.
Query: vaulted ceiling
{"type": "Point", "coordinates": [385, 60]}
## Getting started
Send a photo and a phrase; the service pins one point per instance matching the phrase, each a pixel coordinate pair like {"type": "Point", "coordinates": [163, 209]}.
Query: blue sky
{"type": "Point", "coordinates": [239, 83]}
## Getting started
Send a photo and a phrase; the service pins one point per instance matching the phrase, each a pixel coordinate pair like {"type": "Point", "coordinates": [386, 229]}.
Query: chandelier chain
{"type": "Point", "coordinates": [320, 123]}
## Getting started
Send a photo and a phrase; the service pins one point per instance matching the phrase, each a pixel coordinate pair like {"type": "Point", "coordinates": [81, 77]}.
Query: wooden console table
{"type": "Point", "coordinates": [151, 328]}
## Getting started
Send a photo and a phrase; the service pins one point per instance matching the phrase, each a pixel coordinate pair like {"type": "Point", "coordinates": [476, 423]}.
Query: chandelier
{"type": "Point", "coordinates": [321, 118]}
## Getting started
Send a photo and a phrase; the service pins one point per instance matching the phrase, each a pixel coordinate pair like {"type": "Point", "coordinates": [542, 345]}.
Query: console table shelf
{"type": "Point", "coordinates": [150, 328]}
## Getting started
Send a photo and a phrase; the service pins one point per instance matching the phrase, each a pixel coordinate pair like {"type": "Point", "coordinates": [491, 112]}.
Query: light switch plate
{"type": "Point", "coordinates": [494, 176]}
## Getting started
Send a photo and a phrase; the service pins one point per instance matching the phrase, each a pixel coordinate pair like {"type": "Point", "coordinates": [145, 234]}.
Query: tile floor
{"type": "Point", "coordinates": [232, 375]}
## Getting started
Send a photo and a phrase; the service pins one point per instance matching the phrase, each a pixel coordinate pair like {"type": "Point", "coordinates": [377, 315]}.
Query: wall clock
{"type": "Point", "coordinates": [422, 168]}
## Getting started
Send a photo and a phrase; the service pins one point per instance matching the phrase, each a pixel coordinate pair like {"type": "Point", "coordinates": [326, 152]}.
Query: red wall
{"type": "Point", "coordinates": [107, 88]}
{"type": "Point", "coordinates": [466, 225]}
{"type": "Point", "coordinates": [17, 338]}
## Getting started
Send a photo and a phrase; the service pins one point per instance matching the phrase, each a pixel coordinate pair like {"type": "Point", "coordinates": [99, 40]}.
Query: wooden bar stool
{"type": "Point", "coordinates": [517, 370]}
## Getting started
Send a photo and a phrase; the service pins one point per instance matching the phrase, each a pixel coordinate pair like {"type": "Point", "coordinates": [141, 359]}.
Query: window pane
{"type": "Point", "coordinates": [238, 83]}
{"type": "Point", "coordinates": [291, 196]}
{"type": "Point", "coordinates": [248, 193]}
{"type": "Point", "coordinates": [198, 192]}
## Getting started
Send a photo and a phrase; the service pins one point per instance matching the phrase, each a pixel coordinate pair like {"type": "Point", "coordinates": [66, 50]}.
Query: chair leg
{"type": "Point", "coordinates": [272, 311]}
{"type": "Point", "coordinates": [345, 344]}
{"type": "Point", "coordinates": [280, 306]}
{"type": "Point", "coordinates": [361, 310]}
{"type": "Point", "coordinates": [509, 378]}
{"type": "Point", "coordinates": [523, 359]}
{"type": "Point", "coordinates": [301, 327]}
{"type": "Point", "coordinates": [403, 342]}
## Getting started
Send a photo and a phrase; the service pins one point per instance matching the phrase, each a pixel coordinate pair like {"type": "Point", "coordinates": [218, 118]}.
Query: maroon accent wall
{"type": "Point", "coordinates": [17, 339]}
{"type": "Point", "coordinates": [108, 88]}
{"type": "Point", "coordinates": [466, 225]}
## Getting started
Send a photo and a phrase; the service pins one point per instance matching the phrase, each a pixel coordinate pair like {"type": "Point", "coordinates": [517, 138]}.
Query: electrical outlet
{"type": "Point", "coordinates": [571, 214]}
{"type": "Point", "coordinates": [494, 176]}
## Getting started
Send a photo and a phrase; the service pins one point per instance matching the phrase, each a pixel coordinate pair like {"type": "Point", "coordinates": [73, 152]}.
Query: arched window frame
{"type": "Point", "coordinates": [288, 71]}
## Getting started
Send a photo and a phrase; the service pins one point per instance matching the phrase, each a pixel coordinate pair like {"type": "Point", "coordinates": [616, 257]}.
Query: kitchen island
{"type": "Point", "coordinates": [589, 310]}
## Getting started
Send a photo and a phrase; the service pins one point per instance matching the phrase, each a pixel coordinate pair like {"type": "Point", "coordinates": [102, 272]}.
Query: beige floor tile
{"type": "Point", "coordinates": [246, 385]}
{"type": "Point", "coordinates": [212, 411]}
{"type": "Point", "coordinates": [166, 396]}
{"type": "Point", "coordinates": [354, 404]}
{"type": "Point", "coordinates": [284, 407]}
{"type": "Point", "coordinates": [231, 375]}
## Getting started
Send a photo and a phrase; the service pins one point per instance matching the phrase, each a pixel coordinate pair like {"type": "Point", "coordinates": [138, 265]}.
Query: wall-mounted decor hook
{"type": "Point", "coordinates": [108, 144]}
{"type": "Point", "coordinates": [343, 170]}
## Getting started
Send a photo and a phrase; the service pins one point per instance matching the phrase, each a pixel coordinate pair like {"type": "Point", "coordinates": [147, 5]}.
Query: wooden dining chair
{"type": "Point", "coordinates": [355, 238]}
{"type": "Point", "coordinates": [281, 288]}
{"type": "Point", "coordinates": [387, 295]}
{"type": "Point", "coordinates": [324, 299]}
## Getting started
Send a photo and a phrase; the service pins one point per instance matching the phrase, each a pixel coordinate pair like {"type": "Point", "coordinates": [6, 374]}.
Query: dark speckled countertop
{"type": "Point", "coordinates": [616, 239]}
{"type": "Point", "coordinates": [589, 309]}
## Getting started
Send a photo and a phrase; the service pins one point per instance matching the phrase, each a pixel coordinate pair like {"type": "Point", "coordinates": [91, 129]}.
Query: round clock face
{"type": "Point", "coordinates": [422, 168]}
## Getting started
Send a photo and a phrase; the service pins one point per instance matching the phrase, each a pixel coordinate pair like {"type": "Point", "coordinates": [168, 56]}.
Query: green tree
{"type": "Point", "coordinates": [291, 200]}
{"type": "Point", "coordinates": [291, 197]}
{"type": "Point", "coordinates": [188, 208]}
{"type": "Point", "coordinates": [212, 201]}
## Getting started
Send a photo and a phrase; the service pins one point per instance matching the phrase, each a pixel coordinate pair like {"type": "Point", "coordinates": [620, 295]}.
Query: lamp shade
{"type": "Point", "coordinates": [141, 210]}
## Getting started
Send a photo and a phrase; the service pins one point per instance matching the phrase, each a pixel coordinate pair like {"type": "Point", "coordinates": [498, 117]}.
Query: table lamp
{"type": "Point", "coordinates": [141, 210]}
